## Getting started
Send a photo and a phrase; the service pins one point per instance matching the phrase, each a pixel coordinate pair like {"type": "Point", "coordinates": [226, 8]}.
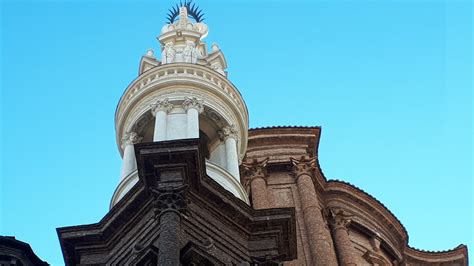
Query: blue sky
{"type": "Point", "coordinates": [390, 82]}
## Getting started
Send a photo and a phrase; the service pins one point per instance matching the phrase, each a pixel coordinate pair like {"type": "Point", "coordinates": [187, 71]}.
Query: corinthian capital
{"type": "Point", "coordinates": [170, 199]}
{"type": "Point", "coordinates": [193, 102]}
{"type": "Point", "coordinates": [338, 218]}
{"type": "Point", "coordinates": [303, 166]}
{"type": "Point", "coordinates": [254, 169]}
{"type": "Point", "coordinates": [161, 105]}
{"type": "Point", "coordinates": [228, 132]}
{"type": "Point", "coordinates": [130, 138]}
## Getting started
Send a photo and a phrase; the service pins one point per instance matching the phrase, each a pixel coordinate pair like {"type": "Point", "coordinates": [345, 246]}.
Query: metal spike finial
{"type": "Point", "coordinates": [193, 11]}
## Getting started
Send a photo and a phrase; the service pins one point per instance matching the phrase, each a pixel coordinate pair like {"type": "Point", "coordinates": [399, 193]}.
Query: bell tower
{"type": "Point", "coordinates": [181, 128]}
{"type": "Point", "coordinates": [184, 95]}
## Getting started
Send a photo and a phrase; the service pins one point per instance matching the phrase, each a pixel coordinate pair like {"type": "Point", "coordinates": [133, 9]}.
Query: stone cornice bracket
{"type": "Point", "coordinates": [169, 199]}
{"type": "Point", "coordinates": [375, 241]}
{"type": "Point", "coordinates": [161, 105]}
{"type": "Point", "coordinates": [229, 132]}
{"type": "Point", "coordinates": [304, 166]}
{"type": "Point", "coordinates": [253, 169]}
{"type": "Point", "coordinates": [130, 138]}
{"type": "Point", "coordinates": [375, 258]}
{"type": "Point", "coordinates": [193, 102]}
{"type": "Point", "coordinates": [338, 218]}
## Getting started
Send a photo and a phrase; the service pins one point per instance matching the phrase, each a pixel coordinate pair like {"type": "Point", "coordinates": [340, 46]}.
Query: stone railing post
{"type": "Point", "coordinates": [319, 236]}
{"type": "Point", "coordinates": [255, 177]}
{"type": "Point", "coordinates": [129, 162]}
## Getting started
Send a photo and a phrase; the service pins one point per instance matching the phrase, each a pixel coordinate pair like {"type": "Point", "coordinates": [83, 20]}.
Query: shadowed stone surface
{"type": "Point", "coordinates": [197, 221]}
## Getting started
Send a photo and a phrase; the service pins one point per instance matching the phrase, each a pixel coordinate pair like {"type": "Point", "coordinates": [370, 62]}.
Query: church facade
{"type": "Point", "coordinates": [198, 187]}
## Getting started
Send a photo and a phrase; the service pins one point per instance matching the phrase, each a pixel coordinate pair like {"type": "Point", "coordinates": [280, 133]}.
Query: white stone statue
{"type": "Point", "coordinates": [150, 53]}
{"type": "Point", "coordinates": [189, 53]}
{"type": "Point", "coordinates": [168, 54]}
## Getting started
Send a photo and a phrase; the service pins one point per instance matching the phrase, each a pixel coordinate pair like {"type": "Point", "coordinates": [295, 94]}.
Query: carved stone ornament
{"type": "Point", "coordinates": [170, 199]}
{"type": "Point", "coordinates": [168, 54]}
{"type": "Point", "coordinates": [303, 166]}
{"type": "Point", "coordinates": [131, 138]}
{"type": "Point", "coordinates": [338, 218]}
{"type": "Point", "coordinates": [375, 241]}
{"type": "Point", "coordinates": [193, 102]}
{"type": "Point", "coordinates": [254, 169]}
{"type": "Point", "coordinates": [228, 132]}
{"type": "Point", "coordinates": [161, 105]}
{"type": "Point", "coordinates": [150, 53]}
{"type": "Point", "coordinates": [375, 258]}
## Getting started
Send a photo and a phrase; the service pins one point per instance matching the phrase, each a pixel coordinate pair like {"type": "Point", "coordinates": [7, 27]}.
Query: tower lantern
{"type": "Point", "coordinates": [185, 95]}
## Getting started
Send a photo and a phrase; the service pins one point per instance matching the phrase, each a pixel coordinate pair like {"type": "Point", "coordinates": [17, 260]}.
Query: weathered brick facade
{"type": "Point", "coordinates": [336, 222]}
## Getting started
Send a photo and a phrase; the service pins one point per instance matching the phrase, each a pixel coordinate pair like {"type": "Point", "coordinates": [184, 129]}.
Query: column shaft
{"type": "Point", "coordinates": [168, 245]}
{"type": "Point", "coordinates": [258, 188]}
{"type": "Point", "coordinates": [129, 163]}
{"type": "Point", "coordinates": [192, 123]}
{"type": "Point", "coordinates": [319, 237]}
{"type": "Point", "coordinates": [344, 246]}
{"type": "Point", "coordinates": [160, 125]}
{"type": "Point", "coordinates": [232, 159]}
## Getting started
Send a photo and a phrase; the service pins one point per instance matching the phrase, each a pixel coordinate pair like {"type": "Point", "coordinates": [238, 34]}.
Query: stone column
{"type": "Point", "coordinates": [256, 174]}
{"type": "Point", "coordinates": [229, 134]}
{"type": "Point", "coordinates": [169, 204]}
{"type": "Point", "coordinates": [193, 108]}
{"type": "Point", "coordinates": [339, 221]}
{"type": "Point", "coordinates": [319, 237]}
{"type": "Point", "coordinates": [129, 162]}
{"type": "Point", "coordinates": [160, 110]}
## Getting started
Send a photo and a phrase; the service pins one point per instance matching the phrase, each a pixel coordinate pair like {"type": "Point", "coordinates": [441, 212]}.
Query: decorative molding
{"type": "Point", "coordinates": [338, 218]}
{"type": "Point", "coordinates": [214, 117]}
{"type": "Point", "coordinates": [375, 258]}
{"type": "Point", "coordinates": [176, 81]}
{"type": "Point", "coordinates": [161, 105]}
{"type": "Point", "coordinates": [193, 102]}
{"type": "Point", "coordinates": [229, 132]}
{"type": "Point", "coordinates": [131, 138]}
{"type": "Point", "coordinates": [254, 169]}
{"type": "Point", "coordinates": [304, 166]}
{"type": "Point", "coordinates": [169, 199]}
{"type": "Point", "coordinates": [375, 242]}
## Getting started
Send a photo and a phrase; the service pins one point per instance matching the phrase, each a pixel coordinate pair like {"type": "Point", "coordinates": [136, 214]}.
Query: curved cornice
{"type": "Point", "coordinates": [201, 78]}
{"type": "Point", "coordinates": [370, 204]}
{"type": "Point", "coordinates": [216, 78]}
{"type": "Point", "coordinates": [354, 195]}
{"type": "Point", "coordinates": [458, 253]}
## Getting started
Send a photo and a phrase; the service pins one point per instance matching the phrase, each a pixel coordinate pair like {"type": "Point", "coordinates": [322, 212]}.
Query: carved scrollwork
{"type": "Point", "coordinates": [131, 138]}
{"type": "Point", "coordinates": [338, 218]}
{"type": "Point", "coordinates": [252, 169]}
{"type": "Point", "coordinates": [229, 132]}
{"type": "Point", "coordinates": [303, 166]}
{"type": "Point", "coordinates": [161, 105]}
{"type": "Point", "coordinates": [170, 199]}
{"type": "Point", "coordinates": [193, 102]}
